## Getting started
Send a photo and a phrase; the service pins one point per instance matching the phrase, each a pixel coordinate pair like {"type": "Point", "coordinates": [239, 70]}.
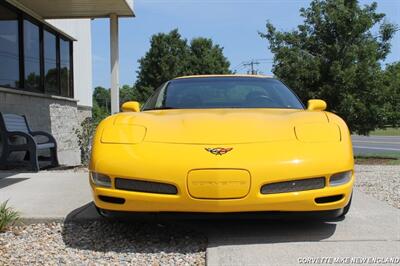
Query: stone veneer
{"type": "Point", "coordinates": [57, 115]}
{"type": "Point", "coordinates": [83, 112]}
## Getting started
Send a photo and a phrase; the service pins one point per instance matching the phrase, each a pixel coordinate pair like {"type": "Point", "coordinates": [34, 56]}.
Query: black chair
{"type": "Point", "coordinates": [13, 126]}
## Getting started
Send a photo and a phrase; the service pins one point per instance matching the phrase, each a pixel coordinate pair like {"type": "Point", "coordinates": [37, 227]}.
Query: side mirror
{"type": "Point", "coordinates": [316, 105]}
{"type": "Point", "coordinates": [131, 107]}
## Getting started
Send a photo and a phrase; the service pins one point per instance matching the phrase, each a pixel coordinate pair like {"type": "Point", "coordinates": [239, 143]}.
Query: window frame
{"type": "Point", "coordinates": [21, 16]}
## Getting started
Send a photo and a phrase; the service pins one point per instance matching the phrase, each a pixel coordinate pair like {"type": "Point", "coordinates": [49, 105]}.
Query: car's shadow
{"type": "Point", "coordinates": [84, 229]}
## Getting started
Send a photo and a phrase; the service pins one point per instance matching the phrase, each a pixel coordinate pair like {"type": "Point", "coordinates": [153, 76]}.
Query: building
{"type": "Point", "coordinates": [45, 63]}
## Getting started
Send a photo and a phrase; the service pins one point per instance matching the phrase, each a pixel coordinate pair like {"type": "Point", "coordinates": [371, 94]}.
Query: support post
{"type": "Point", "coordinates": [114, 63]}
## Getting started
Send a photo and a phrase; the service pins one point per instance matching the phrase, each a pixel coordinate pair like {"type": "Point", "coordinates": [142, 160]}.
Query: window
{"type": "Point", "coordinates": [65, 67]}
{"type": "Point", "coordinates": [33, 56]}
{"type": "Point", "coordinates": [50, 63]}
{"type": "Point", "coordinates": [9, 48]}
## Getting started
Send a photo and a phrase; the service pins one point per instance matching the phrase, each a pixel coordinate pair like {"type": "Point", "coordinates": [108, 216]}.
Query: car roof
{"type": "Point", "coordinates": [225, 75]}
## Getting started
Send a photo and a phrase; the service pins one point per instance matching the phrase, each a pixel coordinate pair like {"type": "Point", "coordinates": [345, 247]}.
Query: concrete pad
{"type": "Point", "coordinates": [302, 253]}
{"type": "Point", "coordinates": [45, 196]}
{"type": "Point", "coordinates": [371, 229]}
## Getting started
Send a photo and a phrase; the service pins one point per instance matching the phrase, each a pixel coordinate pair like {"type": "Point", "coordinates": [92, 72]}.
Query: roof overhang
{"type": "Point", "coordinates": [63, 9]}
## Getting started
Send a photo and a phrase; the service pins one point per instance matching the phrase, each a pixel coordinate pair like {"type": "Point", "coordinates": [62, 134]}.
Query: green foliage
{"type": "Point", "coordinates": [8, 216]}
{"type": "Point", "coordinates": [206, 58]}
{"type": "Point", "coordinates": [167, 58]}
{"type": "Point", "coordinates": [386, 132]}
{"type": "Point", "coordinates": [102, 100]}
{"type": "Point", "coordinates": [85, 135]}
{"type": "Point", "coordinates": [127, 93]}
{"type": "Point", "coordinates": [334, 56]}
{"type": "Point", "coordinates": [391, 95]}
{"type": "Point", "coordinates": [171, 56]}
{"type": "Point", "coordinates": [102, 97]}
{"type": "Point", "coordinates": [99, 112]}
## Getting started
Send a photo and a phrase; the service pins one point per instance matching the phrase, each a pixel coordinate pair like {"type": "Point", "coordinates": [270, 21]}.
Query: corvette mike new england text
{"type": "Point", "coordinates": [349, 260]}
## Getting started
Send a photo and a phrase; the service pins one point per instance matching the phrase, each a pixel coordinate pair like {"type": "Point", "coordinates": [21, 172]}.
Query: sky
{"type": "Point", "coordinates": [233, 24]}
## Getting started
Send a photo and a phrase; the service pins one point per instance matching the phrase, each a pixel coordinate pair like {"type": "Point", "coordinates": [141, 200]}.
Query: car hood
{"type": "Point", "coordinates": [220, 126]}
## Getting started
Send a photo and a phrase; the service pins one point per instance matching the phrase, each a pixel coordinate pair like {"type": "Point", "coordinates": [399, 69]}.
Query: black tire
{"type": "Point", "coordinates": [347, 207]}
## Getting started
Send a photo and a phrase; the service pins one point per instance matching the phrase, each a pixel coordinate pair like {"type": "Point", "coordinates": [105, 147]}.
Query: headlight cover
{"type": "Point", "coordinates": [100, 180]}
{"type": "Point", "coordinates": [340, 178]}
{"type": "Point", "coordinates": [318, 132]}
{"type": "Point", "coordinates": [123, 134]}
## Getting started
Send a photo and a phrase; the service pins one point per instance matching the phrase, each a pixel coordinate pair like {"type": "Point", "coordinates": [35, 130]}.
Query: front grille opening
{"type": "Point", "coordinates": [329, 199]}
{"type": "Point", "coordinates": [145, 186]}
{"type": "Point", "coordinates": [295, 185]}
{"type": "Point", "coordinates": [114, 200]}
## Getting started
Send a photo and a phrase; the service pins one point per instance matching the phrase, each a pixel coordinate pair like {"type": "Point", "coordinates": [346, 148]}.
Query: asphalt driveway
{"type": "Point", "coordinates": [365, 145]}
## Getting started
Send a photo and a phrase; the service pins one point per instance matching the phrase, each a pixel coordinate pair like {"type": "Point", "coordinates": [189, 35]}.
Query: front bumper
{"type": "Point", "coordinates": [293, 201]}
{"type": "Point", "coordinates": [173, 164]}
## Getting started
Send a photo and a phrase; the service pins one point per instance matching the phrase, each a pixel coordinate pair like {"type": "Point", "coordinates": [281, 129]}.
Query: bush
{"type": "Point", "coordinates": [8, 216]}
{"type": "Point", "coordinates": [85, 136]}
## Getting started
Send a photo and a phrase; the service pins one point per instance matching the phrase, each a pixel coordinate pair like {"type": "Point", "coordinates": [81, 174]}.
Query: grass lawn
{"type": "Point", "coordinates": [386, 132]}
{"type": "Point", "coordinates": [375, 161]}
{"type": "Point", "coordinates": [378, 158]}
{"type": "Point", "coordinates": [388, 158]}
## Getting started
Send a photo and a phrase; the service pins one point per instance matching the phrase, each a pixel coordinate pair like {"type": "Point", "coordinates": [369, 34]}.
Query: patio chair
{"type": "Point", "coordinates": [13, 126]}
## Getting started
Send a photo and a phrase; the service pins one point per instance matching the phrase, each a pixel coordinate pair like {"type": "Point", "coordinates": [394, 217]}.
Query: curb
{"type": "Point", "coordinates": [86, 213]}
{"type": "Point", "coordinates": [39, 220]}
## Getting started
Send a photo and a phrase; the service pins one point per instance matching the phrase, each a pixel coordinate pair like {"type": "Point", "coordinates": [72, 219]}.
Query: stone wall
{"type": "Point", "coordinates": [64, 122]}
{"type": "Point", "coordinates": [56, 115]}
{"type": "Point", "coordinates": [83, 112]}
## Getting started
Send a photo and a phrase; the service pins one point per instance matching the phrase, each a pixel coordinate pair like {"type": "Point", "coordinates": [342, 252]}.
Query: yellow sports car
{"type": "Point", "coordinates": [223, 144]}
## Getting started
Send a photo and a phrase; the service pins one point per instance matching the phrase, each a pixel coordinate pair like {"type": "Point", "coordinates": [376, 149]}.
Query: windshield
{"type": "Point", "coordinates": [223, 92]}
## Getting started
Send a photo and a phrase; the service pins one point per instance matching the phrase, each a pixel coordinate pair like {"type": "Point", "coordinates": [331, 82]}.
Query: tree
{"type": "Point", "coordinates": [391, 96]}
{"type": "Point", "coordinates": [102, 97]}
{"type": "Point", "coordinates": [127, 93]}
{"type": "Point", "coordinates": [207, 58]}
{"type": "Point", "coordinates": [102, 100]}
{"type": "Point", "coordinates": [335, 56]}
{"type": "Point", "coordinates": [166, 59]}
{"type": "Point", "coordinates": [170, 56]}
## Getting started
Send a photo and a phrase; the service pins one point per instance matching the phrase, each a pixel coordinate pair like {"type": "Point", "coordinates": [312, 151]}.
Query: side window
{"type": "Point", "coordinates": [65, 68]}
{"type": "Point", "coordinates": [34, 56]}
{"type": "Point", "coordinates": [31, 56]}
{"type": "Point", "coordinates": [50, 63]}
{"type": "Point", "coordinates": [9, 48]}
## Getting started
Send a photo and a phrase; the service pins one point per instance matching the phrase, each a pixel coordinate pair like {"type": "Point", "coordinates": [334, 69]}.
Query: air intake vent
{"type": "Point", "coordinates": [328, 199]}
{"type": "Point", "coordinates": [145, 186]}
{"type": "Point", "coordinates": [295, 185]}
{"type": "Point", "coordinates": [112, 199]}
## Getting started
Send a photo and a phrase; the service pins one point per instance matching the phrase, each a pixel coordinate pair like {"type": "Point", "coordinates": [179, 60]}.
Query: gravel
{"type": "Point", "coordinates": [380, 181]}
{"type": "Point", "coordinates": [101, 243]}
